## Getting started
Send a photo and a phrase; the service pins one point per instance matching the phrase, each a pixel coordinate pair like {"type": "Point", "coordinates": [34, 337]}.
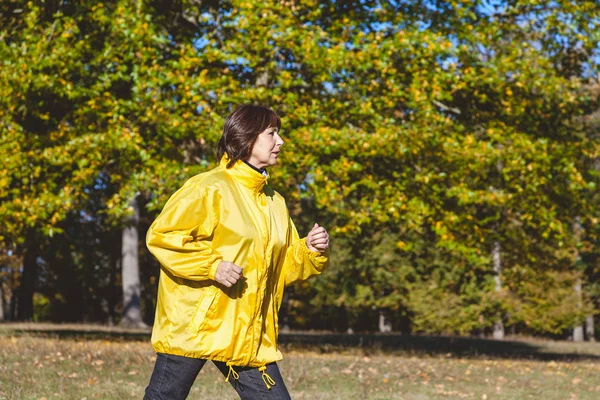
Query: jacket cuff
{"type": "Point", "coordinates": [213, 269]}
{"type": "Point", "coordinates": [316, 257]}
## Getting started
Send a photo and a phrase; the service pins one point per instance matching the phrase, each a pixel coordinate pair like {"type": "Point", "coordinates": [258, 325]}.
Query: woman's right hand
{"type": "Point", "coordinates": [228, 273]}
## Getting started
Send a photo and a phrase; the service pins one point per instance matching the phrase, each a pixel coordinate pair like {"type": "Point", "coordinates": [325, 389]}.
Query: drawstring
{"type": "Point", "coordinates": [266, 378]}
{"type": "Point", "coordinates": [236, 376]}
{"type": "Point", "coordinates": [269, 382]}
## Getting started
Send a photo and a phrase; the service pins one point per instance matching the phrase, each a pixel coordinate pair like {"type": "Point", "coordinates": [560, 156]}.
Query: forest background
{"type": "Point", "coordinates": [452, 149]}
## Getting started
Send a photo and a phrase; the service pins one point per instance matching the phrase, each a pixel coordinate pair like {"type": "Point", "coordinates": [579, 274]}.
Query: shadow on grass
{"type": "Point", "coordinates": [461, 347]}
{"type": "Point", "coordinates": [69, 331]}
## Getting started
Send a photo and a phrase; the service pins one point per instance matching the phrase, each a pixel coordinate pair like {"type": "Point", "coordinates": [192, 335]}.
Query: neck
{"type": "Point", "coordinates": [261, 170]}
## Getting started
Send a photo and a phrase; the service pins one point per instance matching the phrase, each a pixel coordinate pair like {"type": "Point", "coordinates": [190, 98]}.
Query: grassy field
{"type": "Point", "coordinates": [74, 362]}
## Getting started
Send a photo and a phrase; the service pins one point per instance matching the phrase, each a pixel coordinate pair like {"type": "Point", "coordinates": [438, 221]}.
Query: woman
{"type": "Point", "coordinates": [228, 248]}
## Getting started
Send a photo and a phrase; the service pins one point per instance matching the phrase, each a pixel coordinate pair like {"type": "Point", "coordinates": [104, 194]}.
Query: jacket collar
{"type": "Point", "coordinates": [245, 174]}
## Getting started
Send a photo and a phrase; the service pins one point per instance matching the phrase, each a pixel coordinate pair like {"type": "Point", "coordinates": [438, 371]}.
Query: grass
{"type": "Point", "coordinates": [75, 362]}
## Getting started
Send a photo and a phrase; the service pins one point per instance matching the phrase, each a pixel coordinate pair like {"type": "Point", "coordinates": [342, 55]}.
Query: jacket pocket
{"type": "Point", "coordinates": [204, 305]}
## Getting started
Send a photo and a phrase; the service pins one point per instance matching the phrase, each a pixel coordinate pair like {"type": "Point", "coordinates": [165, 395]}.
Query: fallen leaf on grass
{"type": "Point", "coordinates": [452, 393]}
{"type": "Point", "coordinates": [386, 378]}
{"type": "Point", "coordinates": [92, 381]}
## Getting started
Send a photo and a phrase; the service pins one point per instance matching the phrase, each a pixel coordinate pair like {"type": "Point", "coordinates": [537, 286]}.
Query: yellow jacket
{"type": "Point", "coordinates": [225, 215]}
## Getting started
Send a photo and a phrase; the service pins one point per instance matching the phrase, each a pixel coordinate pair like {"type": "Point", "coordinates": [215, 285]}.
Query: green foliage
{"type": "Point", "coordinates": [421, 134]}
{"type": "Point", "coordinates": [41, 307]}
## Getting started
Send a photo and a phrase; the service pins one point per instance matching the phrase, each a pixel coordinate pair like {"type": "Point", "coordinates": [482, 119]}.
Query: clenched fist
{"type": "Point", "coordinates": [317, 239]}
{"type": "Point", "coordinates": [228, 273]}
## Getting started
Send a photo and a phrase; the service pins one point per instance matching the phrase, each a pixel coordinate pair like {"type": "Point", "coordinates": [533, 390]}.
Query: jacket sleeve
{"type": "Point", "coordinates": [300, 262]}
{"type": "Point", "coordinates": [181, 236]}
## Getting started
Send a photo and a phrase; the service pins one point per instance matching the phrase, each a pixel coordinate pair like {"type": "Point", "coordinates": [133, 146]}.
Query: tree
{"type": "Point", "coordinates": [132, 313]}
{"type": "Point", "coordinates": [419, 132]}
{"type": "Point", "coordinates": [483, 103]}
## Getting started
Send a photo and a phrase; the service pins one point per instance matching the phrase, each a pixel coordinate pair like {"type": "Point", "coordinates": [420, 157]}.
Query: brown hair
{"type": "Point", "coordinates": [241, 129]}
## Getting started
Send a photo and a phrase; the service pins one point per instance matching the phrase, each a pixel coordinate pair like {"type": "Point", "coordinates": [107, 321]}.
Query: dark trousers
{"type": "Point", "coordinates": [173, 377]}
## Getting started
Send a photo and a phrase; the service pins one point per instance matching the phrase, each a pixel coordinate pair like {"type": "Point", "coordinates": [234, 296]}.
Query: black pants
{"type": "Point", "coordinates": [173, 377]}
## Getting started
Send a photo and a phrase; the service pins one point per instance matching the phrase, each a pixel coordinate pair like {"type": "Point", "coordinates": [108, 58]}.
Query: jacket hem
{"type": "Point", "coordinates": [181, 353]}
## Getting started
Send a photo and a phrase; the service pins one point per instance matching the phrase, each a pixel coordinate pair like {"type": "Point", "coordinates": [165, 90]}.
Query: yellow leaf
{"type": "Point", "coordinates": [92, 381]}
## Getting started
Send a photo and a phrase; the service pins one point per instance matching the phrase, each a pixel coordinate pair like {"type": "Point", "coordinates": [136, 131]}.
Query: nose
{"type": "Point", "coordinates": [279, 142]}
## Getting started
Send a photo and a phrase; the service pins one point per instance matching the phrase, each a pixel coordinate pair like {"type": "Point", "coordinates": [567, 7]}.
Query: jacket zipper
{"type": "Point", "coordinates": [260, 296]}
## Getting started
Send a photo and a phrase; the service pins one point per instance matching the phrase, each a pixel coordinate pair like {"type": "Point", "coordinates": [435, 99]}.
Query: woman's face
{"type": "Point", "coordinates": [266, 148]}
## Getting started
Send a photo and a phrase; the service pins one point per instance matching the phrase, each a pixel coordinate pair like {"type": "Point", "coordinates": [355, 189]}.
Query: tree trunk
{"type": "Point", "coordinates": [28, 276]}
{"type": "Point", "coordinates": [578, 330]}
{"type": "Point", "coordinates": [12, 306]}
{"type": "Point", "coordinates": [589, 328]}
{"type": "Point", "coordinates": [497, 261]}
{"type": "Point", "coordinates": [385, 323]}
{"type": "Point", "coordinates": [1, 303]}
{"type": "Point", "coordinates": [578, 335]}
{"type": "Point", "coordinates": [132, 315]}
{"type": "Point", "coordinates": [498, 330]}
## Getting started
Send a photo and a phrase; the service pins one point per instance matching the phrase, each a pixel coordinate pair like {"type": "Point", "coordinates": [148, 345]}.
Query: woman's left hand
{"type": "Point", "coordinates": [317, 239]}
